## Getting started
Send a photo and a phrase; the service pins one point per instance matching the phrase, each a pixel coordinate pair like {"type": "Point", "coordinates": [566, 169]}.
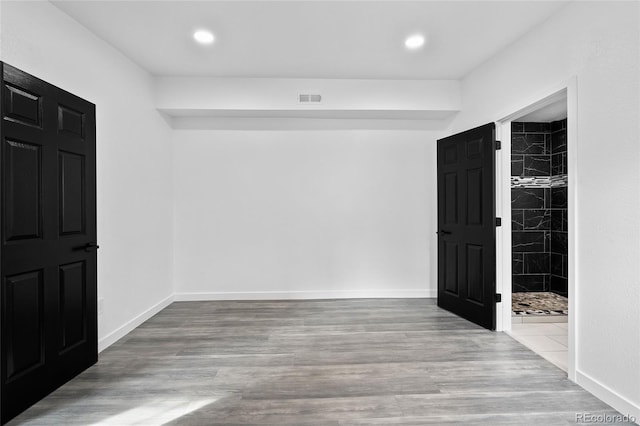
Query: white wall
{"type": "Point", "coordinates": [598, 42]}
{"type": "Point", "coordinates": [430, 99]}
{"type": "Point", "coordinates": [304, 213]}
{"type": "Point", "coordinates": [133, 155]}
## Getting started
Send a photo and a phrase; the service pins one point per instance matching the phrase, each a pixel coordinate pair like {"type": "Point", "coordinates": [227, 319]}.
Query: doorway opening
{"type": "Point", "coordinates": [537, 257]}
{"type": "Point", "coordinates": [539, 230]}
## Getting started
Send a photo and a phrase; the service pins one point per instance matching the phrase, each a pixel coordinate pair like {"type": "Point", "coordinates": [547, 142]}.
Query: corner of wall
{"type": "Point", "coordinates": [117, 334]}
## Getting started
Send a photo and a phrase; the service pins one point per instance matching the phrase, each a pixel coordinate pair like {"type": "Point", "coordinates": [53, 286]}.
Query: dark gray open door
{"type": "Point", "coordinates": [48, 235]}
{"type": "Point", "coordinates": [466, 225]}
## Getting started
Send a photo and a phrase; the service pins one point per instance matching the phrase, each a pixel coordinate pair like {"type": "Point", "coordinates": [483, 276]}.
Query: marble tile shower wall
{"type": "Point", "coordinates": [539, 206]}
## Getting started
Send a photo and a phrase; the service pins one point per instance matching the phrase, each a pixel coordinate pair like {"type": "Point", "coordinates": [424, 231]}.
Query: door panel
{"type": "Point", "coordinates": [49, 318]}
{"type": "Point", "coordinates": [72, 200]}
{"type": "Point", "coordinates": [73, 306]}
{"type": "Point", "coordinates": [71, 121]}
{"type": "Point", "coordinates": [466, 224]}
{"type": "Point", "coordinates": [449, 154]}
{"type": "Point", "coordinates": [475, 273]}
{"type": "Point", "coordinates": [451, 198]}
{"type": "Point", "coordinates": [474, 197]}
{"type": "Point", "coordinates": [22, 106]}
{"type": "Point", "coordinates": [473, 148]}
{"type": "Point", "coordinates": [25, 318]}
{"type": "Point", "coordinates": [451, 267]}
{"type": "Point", "coordinates": [23, 190]}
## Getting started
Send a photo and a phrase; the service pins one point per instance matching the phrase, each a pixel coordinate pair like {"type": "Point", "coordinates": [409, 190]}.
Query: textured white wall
{"type": "Point", "coordinates": [598, 43]}
{"type": "Point", "coordinates": [133, 154]}
{"type": "Point", "coordinates": [273, 214]}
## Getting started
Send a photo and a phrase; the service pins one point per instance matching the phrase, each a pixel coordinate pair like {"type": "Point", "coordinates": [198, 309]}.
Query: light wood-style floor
{"type": "Point", "coordinates": [321, 362]}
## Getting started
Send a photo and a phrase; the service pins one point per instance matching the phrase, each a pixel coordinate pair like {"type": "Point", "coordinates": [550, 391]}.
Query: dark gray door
{"type": "Point", "coordinates": [48, 233]}
{"type": "Point", "coordinates": [466, 225]}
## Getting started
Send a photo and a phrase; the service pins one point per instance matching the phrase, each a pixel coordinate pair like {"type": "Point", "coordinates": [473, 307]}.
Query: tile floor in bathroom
{"type": "Point", "coordinates": [543, 329]}
{"type": "Point", "coordinates": [548, 339]}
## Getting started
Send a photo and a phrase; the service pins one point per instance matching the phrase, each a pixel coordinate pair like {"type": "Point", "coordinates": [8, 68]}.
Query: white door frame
{"type": "Point", "coordinates": [503, 208]}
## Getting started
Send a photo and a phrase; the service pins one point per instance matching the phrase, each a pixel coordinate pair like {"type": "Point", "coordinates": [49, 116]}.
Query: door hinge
{"type": "Point", "coordinates": [498, 221]}
{"type": "Point", "coordinates": [498, 145]}
{"type": "Point", "coordinates": [498, 297]}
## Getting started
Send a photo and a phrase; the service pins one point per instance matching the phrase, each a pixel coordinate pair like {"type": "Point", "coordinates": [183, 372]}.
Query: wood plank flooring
{"type": "Point", "coordinates": [320, 362]}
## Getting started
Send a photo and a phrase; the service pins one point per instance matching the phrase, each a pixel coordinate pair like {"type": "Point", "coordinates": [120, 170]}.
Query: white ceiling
{"type": "Point", "coordinates": [310, 39]}
{"type": "Point", "coordinates": [553, 112]}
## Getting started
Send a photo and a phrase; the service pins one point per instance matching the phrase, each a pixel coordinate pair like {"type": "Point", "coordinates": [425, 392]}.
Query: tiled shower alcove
{"type": "Point", "coordinates": [539, 214]}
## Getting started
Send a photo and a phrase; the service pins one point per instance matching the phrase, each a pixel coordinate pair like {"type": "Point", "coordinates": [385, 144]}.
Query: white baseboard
{"type": "Point", "coordinates": [623, 405]}
{"type": "Point", "coordinates": [122, 331]}
{"type": "Point", "coordinates": [320, 294]}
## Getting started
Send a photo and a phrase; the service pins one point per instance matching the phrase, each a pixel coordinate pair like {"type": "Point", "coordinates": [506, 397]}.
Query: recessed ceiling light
{"type": "Point", "coordinates": [415, 41]}
{"type": "Point", "coordinates": [203, 37]}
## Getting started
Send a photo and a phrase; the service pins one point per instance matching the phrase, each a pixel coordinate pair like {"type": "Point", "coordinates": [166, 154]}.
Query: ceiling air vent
{"type": "Point", "coordinates": [310, 98]}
